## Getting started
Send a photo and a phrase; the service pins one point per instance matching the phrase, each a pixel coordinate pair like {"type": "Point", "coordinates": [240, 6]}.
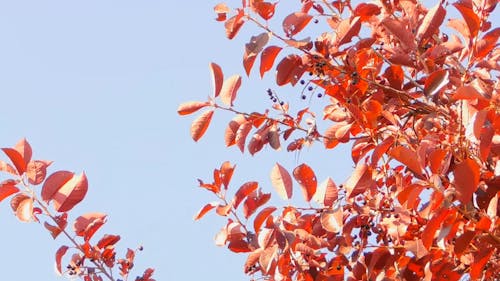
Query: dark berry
{"type": "Point", "coordinates": [320, 95]}
{"type": "Point", "coordinates": [303, 97]}
{"type": "Point", "coordinates": [316, 20]}
{"type": "Point", "coordinates": [310, 88]}
{"type": "Point", "coordinates": [282, 102]}
{"type": "Point", "coordinates": [302, 82]}
{"type": "Point", "coordinates": [275, 100]}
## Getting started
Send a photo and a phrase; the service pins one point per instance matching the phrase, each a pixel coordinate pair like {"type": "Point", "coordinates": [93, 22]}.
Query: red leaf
{"type": "Point", "coordinates": [348, 29]}
{"type": "Point", "coordinates": [463, 241]}
{"type": "Point", "coordinates": [226, 172]}
{"type": "Point", "coordinates": [254, 201]}
{"type": "Point", "coordinates": [332, 220]}
{"type": "Point", "coordinates": [230, 89]}
{"type": "Point", "coordinates": [59, 254]}
{"type": "Point", "coordinates": [217, 78]}
{"type": "Point", "coordinates": [472, 20]}
{"type": "Point", "coordinates": [261, 217]}
{"type": "Point", "coordinates": [407, 157]}
{"type": "Point", "coordinates": [480, 260]}
{"type": "Point", "coordinates": [432, 226]}
{"type": "Point", "coordinates": [7, 188]}
{"type": "Point", "coordinates": [435, 82]}
{"type": "Point", "coordinates": [54, 230]}
{"type": "Point", "coordinates": [361, 180]}
{"type": "Point", "coordinates": [436, 160]}
{"type": "Point", "coordinates": [289, 70]}
{"type": "Point", "coordinates": [191, 107]}
{"type": "Point", "coordinates": [243, 192]}
{"type": "Point", "coordinates": [5, 167]}
{"type": "Point", "coordinates": [467, 93]}
{"type": "Point", "coordinates": [24, 210]}
{"type": "Point", "coordinates": [487, 43]}
{"type": "Point", "coordinates": [466, 175]}
{"type": "Point", "coordinates": [234, 24]}
{"type": "Point", "coordinates": [380, 150]}
{"type": "Point", "coordinates": [108, 240]}
{"type": "Point", "coordinates": [295, 22]}
{"type": "Point", "coordinates": [238, 246]}
{"type": "Point", "coordinates": [265, 9]}
{"type": "Point", "coordinates": [248, 62]}
{"type": "Point", "coordinates": [327, 193]}
{"type": "Point", "coordinates": [200, 124]}
{"type": "Point", "coordinates": [65, 188]}
{"type": "Point", "coordinates": [205, 209]}
{"type": "Point", "coordinates": [282, 181]}
{"type": "Point", "coordinates": [232, 129]}
{"type": "Point", "coordinates": [16, 158]}
{"type": "Point", "coordinates": [400, 31]}
{"type": "Point", "coordinates": [431, 23]}
{"type": "Point", "coordinates": [221, 9]}
{"type": "Point", "coordinates": [267, 58]}
{"type": "Point", "coordinates": [24, 148]}
{"type": "Point", "coordinates": [87, 224]}
{"type": "Point", "coordinates": [36, 171]}
{"type": "Point", "coordinates": [365, 11]}
{"type": "Point", "coordinates": [305, 176]}
{"type": "Point", "coordinates": [242, 134]}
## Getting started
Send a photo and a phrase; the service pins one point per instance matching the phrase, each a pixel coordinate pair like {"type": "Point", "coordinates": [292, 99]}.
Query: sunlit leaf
{"type": "Point", "coordinates": [267, 58]}
{"type": "Point", "coordinates": [234, 24]}
{"type": "Point", "coordinates": [347, 29]}
{"type": "Point", "coordinates": [262, 216]}
{"type": "Point", "coordinates": [332, 220]}
{"type": "Point", "coordinates": [431, 23]}
{"type": "Point", "coordinates": [306, 178]}
{"type": "Point", "coordinates": [191, 107]}
{"type": "Point", "coordinates": [241, 135]}
{"type": "Point", "coordinates": [435, 82]}
{"type": "Point", "coordinates": [282, 181]}
{"type": "Point", "coordinates": [229, 89]}
{"type": "Point", "coordinates": [295, 22]}
{"type": "Point", "coordinates": [59, 254]}
{"type": "Point", "coordinates": [408, 157]}
{"type": "Point", "coordinates": [289, 70]}
{"type": "Point", "coordinates": [243, 192]}
{"type": "Point", "coordinates": [8, 188]}
{"type": "Point", "coordinates": [205, 209]}
{"type": "Point", "coordinates": [200, 124]}
{"type": "Point", "coordinates": [64, 188]}
{"type": "Point", "coordinates": [400, 31]}
{"type": "Point", "coordinates": [327, 193]}
{"type": "Point", "coordinates": [16, 158]}
{"type": "Point", "coordinates": [87, 224]}
{"type": "Point", "coordinates": [466, 174]}
{"type": "Point", "coordinates": [37, 171]}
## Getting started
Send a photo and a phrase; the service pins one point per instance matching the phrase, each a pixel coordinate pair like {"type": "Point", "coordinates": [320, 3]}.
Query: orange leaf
{"type": "Point", "coordinates": [361, 180]}
{"type": "Point", "coordinates": [467, 93]}
{"type": "Point", "coordinates": [7, 188]}
{"type": "Point", "coordinates": [327, 193]}
{"type": "Point", "coordinates": [190, 107]}
{"type": "Point", "coordinates": [242, 134]}
{"type": "Point", "coordinates": [407, 157]}
{"type": "Point", "coordinates": [232, 129]}
{"type": "Point", "coordinates": [59, 254]}
{"type": "Point", "coordinates": [234, 24]}
{"type": "Point", "coordinates": [332, 220]}
{"type": "Point", "coordinates": [282, 181]}
{"type": "Point", "coordinates": [306, 178]}
{"type": "Point", "coordinates": [431, 23]}
{"type": "Point", "coordinates": [36, 171]}
{"type": "Point", "coordinates": [436, 159]}
{"type": "Point", "coordinates": [348, 29]}
{"type": "Point", "coordinates": [466, 175]}
{"type": "Point", "coordinates": [205, 209]}
{"type": "Point", "coordinates": [380, 150]}
{"type": "Point", "coordinates": [230, 89]}
{"type": "Point", "coordinates": [289, 70]}
{"type": "Point", "coordinates": [217, 78]}
{"type": "Point", "coordinates": [66, 189]}
{"type": "Point", "coordinates": [400, 31]}
{"type": "Point", "coordinates": [261, 217]}
{"type": "Point", "coordinates": [226, 172]}
{"type": "Point", "coordinates": [463, 241]}
{"type": "Point", "coordinates": [295, 22]}
{"type": "Point", "coordinates": [435, 82]}
{"type": "Point", "coordinates": [200, 124]}
{"type": "Point", "coordinates": [243, 192]}
{"type": "Point", "coordinates": [267, 58]}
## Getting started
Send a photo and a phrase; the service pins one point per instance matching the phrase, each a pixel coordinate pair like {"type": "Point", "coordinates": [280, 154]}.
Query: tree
{"type": "Point", "coordinates": [63, 190]}
{"type": "Point", "coordinates": [417, 100]}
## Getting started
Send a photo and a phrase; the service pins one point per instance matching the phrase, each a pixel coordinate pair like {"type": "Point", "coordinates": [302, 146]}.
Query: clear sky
{"type": "Point", "coordinates": [94, 86]}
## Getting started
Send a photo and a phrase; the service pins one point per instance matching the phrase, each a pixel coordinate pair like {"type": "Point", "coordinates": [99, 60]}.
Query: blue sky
{"type": "Point", "coordinates": [94, 86]}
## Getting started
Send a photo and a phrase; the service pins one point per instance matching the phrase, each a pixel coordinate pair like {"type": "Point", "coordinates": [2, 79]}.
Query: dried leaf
{"type": "Point", "coordinates": [282, 181]}
{"type": "Point", "coordinates": [200, 124]}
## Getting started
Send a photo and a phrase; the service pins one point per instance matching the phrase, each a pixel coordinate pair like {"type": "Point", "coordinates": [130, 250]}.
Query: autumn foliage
{"type": "Point", "coordinates": [414, 92]}
{"type": "Point", "coordinates": [36, 197]}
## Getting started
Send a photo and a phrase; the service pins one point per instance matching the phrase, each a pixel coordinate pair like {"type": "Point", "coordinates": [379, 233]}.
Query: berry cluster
{"type": "Point", "coordinates": [272, 96]}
